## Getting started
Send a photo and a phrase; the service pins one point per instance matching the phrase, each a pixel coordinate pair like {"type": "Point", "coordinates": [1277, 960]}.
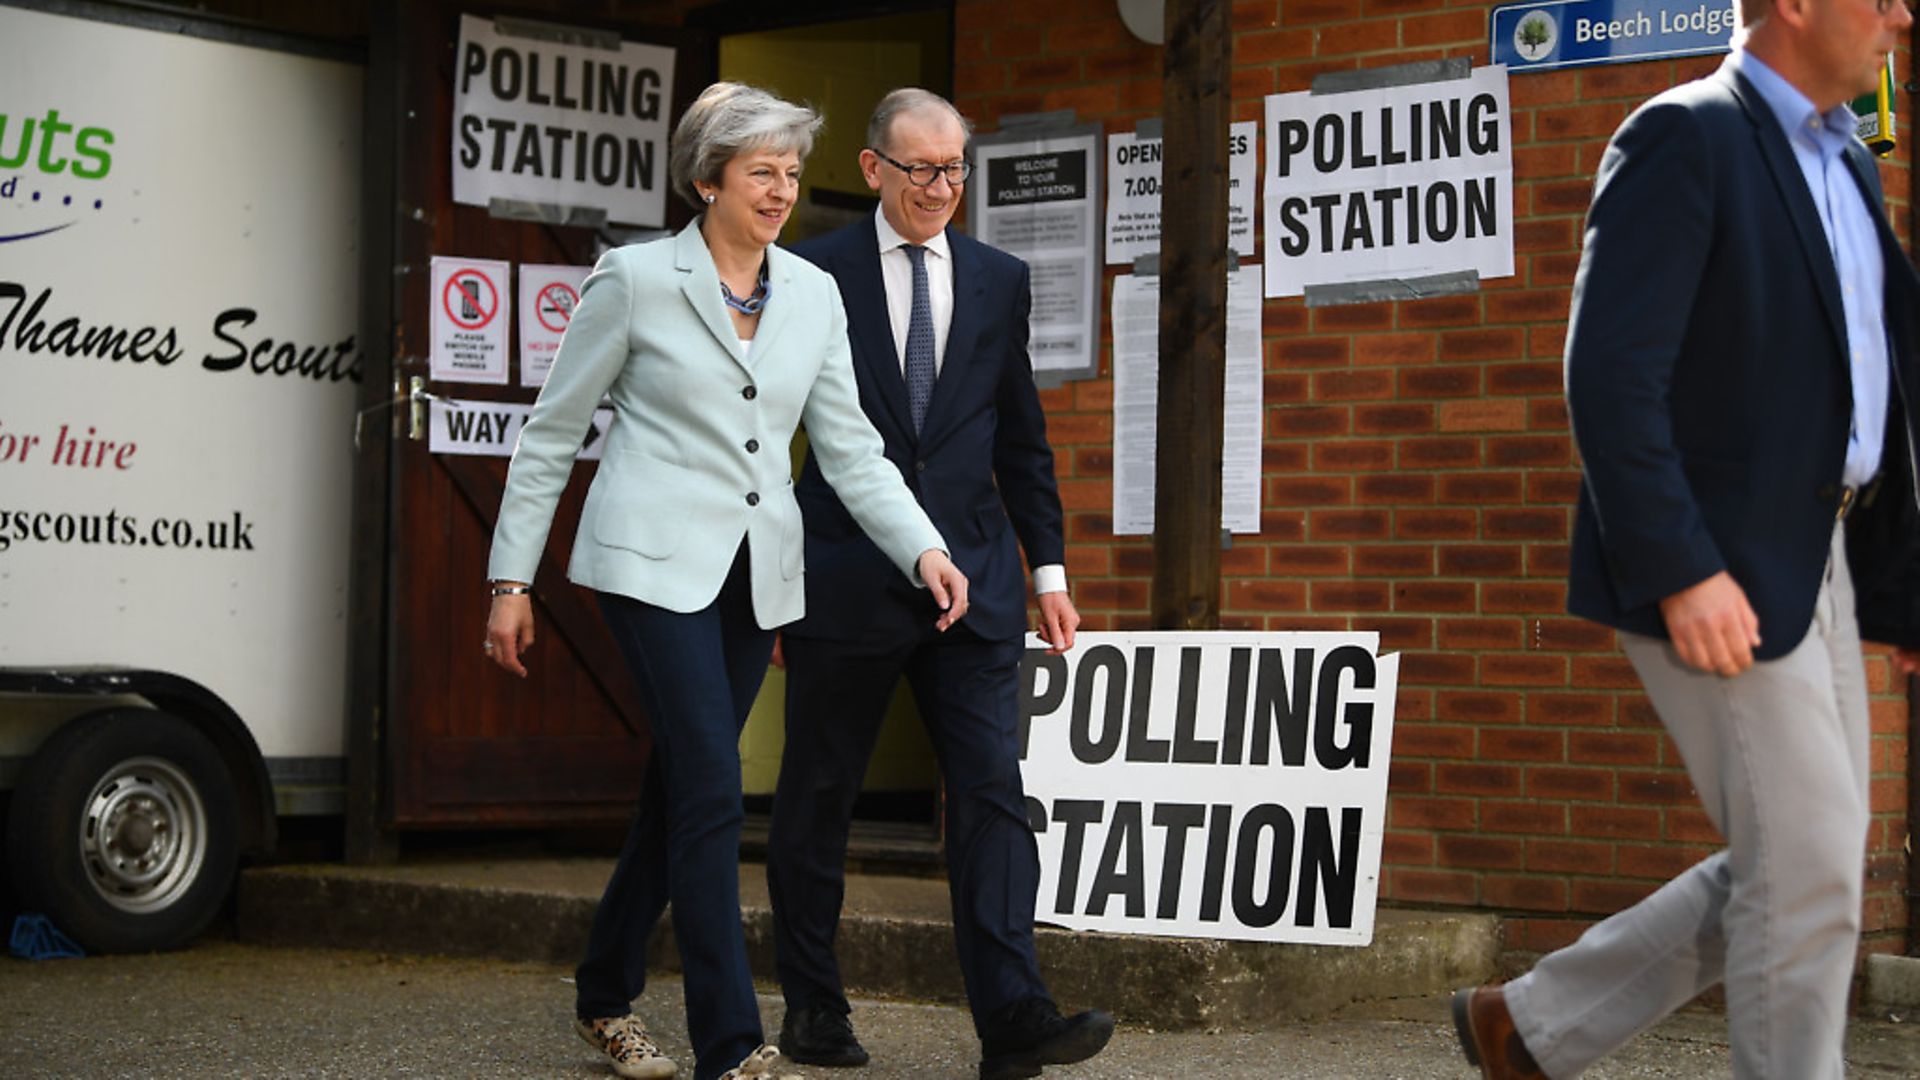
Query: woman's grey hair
{"type": "Point", "coordinates": [726, 119]}
{"type": "Point", "coordinates": [905, 100]}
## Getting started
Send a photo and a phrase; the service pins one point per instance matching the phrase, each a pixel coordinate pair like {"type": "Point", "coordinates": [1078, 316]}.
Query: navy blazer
{"type": "Point", "coordinates": [980, 463]}
{"type": "Point", "coordinates": [1708, 379]}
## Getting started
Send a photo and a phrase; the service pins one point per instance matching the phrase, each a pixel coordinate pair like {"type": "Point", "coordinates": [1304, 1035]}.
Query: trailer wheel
{"type": "Point", "coordinates": [124, 831]}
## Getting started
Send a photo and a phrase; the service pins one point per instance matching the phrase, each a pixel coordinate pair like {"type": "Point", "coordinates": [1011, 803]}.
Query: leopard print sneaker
{"type": "Point", "coordinates": [628, 1047]}
{"type": "Point", "coordinates": [760, 1063]}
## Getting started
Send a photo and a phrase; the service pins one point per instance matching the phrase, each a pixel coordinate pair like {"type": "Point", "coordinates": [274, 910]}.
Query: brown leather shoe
{"type": "Point", "coordinates": [1487, 1035]}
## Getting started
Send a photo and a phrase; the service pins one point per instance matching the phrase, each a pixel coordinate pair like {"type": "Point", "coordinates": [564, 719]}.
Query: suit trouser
{"type": "Point", "coordinates": [1778, 755]}
{"type": "Point", "coordinates": [698, 674]}
{"type": "Point", "coordinates": [837, 694]}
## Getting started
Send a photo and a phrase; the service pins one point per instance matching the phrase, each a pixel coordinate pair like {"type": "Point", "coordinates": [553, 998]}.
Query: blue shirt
{"type": "Point", "coordinates": [1818, 141]}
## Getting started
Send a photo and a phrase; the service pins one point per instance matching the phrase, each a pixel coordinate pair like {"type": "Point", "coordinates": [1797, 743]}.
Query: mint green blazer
{"type": "Point", "coordinates": [697, 456]}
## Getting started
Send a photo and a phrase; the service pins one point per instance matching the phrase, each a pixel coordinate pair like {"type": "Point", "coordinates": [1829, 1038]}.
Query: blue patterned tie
{"type": "Point", "coordinates": [919, 340]}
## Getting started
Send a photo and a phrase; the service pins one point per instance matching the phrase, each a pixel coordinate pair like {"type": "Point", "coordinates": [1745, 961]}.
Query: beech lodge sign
{"type": "Point", "coordinates": [1568, 33]}
{"type": "Point", "coordinates": [1218, 784]}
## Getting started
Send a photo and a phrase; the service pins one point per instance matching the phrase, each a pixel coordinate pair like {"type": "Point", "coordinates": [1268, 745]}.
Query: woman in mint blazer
{"type": "Point", "coordinates": [713, 345]}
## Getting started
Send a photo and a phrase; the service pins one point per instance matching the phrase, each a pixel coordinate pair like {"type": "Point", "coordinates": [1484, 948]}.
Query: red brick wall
{"type": "Point", "coordinates": [1419, 479]}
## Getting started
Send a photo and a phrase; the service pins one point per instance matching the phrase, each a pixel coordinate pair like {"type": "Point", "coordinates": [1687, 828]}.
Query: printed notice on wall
{"type": "Point", "coordinates": [470, 316]}
{"type": "Point", "coordinates": [1136, 403]}
{"type": "Point", "coordinates": [492, 429]}
{"type": "Point", "coordinates": [548, 295]}
{"type": "Point", "coordinates": [1217, 785]}
{"type": "Point", "coordinates": [567, 124]}
{"type": "Point", "coordinates": [1133, 192]}
{"type": "Point", "coordinates": [1034, 195]}
{"type": "Point", "coordinates": [1391, 183]}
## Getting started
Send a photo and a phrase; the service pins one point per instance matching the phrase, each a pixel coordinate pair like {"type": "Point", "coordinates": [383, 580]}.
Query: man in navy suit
{"type": "Point", "coordinates": [1740, 374]}
{"type": "Point", "coordinates": [938, 323]}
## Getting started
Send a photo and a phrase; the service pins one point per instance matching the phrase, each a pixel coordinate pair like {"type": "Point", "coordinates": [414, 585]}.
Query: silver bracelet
{"type": "Point", "coordinates": [512, 590]}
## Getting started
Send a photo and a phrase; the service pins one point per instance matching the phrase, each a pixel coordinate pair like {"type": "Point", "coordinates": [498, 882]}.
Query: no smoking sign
{"type": "Point", "coordinates": [554, 306]}
{"type": "Point", "coordinates": [548, 297]}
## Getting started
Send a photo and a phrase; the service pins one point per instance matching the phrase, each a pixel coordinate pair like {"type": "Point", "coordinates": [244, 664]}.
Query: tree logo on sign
{"type": "Point", "coordinates": [1536, 35]}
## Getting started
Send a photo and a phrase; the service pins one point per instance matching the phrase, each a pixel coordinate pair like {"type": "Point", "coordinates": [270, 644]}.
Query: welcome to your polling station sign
{"type": "Point", "coordinates": [1219, 785]}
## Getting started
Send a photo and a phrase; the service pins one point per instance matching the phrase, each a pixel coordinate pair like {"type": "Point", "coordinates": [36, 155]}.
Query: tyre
{"type": "Point", "coordinates": [124, 831]}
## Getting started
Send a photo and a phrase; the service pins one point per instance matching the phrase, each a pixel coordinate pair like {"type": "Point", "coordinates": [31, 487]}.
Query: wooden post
{"type": "Point", "coordinates": [1193, 315]}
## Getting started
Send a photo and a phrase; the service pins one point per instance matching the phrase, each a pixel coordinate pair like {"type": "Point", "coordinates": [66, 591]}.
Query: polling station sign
{"type": "Point", "coordinates": [1572, 33]}
{"type": "Point", "coordinates": [1389, 183]}
{"type": "Point", "coordinates": [578, 123]}
{"type": "Point", "coordinates": [1219, 785]}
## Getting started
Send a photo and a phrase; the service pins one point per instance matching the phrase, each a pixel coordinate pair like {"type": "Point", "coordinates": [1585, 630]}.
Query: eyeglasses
{"type": "Point", "coordinates": [922, 175]}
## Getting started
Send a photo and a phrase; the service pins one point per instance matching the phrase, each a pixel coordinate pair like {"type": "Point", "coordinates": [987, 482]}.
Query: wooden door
{"type": "Point", "coordinates": [467, 744]}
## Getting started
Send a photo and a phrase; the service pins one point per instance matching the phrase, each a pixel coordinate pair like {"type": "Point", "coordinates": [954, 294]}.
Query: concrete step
{"type": "Point", "coordinates": [895, 940]}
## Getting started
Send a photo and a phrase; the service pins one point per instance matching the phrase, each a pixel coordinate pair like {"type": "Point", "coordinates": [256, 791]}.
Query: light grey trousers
{"type": "Point", "coordinates": [1778, 755]}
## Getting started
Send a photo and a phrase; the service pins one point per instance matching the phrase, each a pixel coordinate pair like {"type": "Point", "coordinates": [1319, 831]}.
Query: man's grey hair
{"type": "Point", "coordinates": [726, 119]}
{"type": "Point", "coordinates": [905, 100]}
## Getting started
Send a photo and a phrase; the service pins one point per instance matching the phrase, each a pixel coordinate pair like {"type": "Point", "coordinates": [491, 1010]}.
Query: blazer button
{"type": "Point", "coordinates": [753, 446]}
{"type": "Point", "coordinates": [919, 466]}
{"type": "Point", "coordinates": [753, 498]}
{"type": "Point", "coordinates": [750, 392]}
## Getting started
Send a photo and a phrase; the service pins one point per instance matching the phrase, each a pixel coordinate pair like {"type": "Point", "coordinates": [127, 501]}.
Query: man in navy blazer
{"type": "Point", "coordinates": [939, 326]}
{"type": "Point", "coordinates": [1740, 374]}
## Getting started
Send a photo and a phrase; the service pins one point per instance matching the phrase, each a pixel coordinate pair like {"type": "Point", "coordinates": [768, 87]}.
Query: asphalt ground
{"type": "Point", "coordinates": [226, 1009]}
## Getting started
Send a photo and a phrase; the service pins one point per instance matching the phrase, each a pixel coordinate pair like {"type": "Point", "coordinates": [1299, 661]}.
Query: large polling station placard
{"type": "Point", "coordinates": [567, 124]}
{"type": "Point", "coordinates": [1389, 183]}
{"type": "Point", "coordinates": [1220, 785]}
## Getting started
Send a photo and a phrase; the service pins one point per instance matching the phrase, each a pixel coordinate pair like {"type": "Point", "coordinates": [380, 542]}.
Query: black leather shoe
{"type": "Point", "coordinates": [1018, 1040]}
{"type": "Point", "coordinates": [820, 1035]}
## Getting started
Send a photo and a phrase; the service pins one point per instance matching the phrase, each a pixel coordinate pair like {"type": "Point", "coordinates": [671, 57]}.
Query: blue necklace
{"type": "Point", "coordinates": [754, 301]}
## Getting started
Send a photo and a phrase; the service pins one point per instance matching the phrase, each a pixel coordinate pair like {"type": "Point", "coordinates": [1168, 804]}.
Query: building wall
{"type": "Point", "coordinates": [1419, 478]}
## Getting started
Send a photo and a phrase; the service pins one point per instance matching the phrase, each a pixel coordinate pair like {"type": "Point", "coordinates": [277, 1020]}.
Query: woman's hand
{"type": "Point", "coordinates": [947, 583]}
{"type": "Point", "coordinates": [510, 631]}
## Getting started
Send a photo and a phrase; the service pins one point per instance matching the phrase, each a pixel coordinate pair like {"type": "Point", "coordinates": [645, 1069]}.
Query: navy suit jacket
{"type": "Point", "coordinates": [1708, 379]}
{"type": "Point", "coordinates": [980, 463]}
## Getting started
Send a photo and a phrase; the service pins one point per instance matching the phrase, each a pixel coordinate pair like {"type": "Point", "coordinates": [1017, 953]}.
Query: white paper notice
{"type": "Point", "coordinates": [547, 298]}
{"type": "Point", "coordinates": [1136, 403]}
{"type": "Point", "coordinates": [492, 429]}
{"type": "Point", "coordinates": [470, 316]}
{"type": "Point", "coordinates": [1133, 193]}
{"type": "Point", "coordinates": [1399, 182]}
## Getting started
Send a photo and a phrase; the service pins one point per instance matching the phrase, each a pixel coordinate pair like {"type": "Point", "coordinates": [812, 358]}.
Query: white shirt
{"type": "Point", "coordinates": [896, 272]}
{"type": "Point", "coordinates": [1818, 141]}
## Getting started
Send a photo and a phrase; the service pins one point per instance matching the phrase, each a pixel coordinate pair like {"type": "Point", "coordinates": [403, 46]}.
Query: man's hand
{"type": "Point", "coordinates": [1058, 620]}
{"type": "Point", "coordinates": [1712, 626]}
{"type": "Point", "coordinates": [1906, 661]}
{"type": "Point", "coordinates": [947, 583]}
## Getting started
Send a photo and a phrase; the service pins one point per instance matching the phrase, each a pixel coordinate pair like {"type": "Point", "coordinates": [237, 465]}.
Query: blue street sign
{"type": "Point", "coordinates": [1565, 33]}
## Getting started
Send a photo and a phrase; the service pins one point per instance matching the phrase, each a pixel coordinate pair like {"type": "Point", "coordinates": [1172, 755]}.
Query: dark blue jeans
{"type": "Point", "coordinates": [698, 674]}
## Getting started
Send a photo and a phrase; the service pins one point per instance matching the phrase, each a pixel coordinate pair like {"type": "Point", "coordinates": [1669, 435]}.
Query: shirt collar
{"type": "Point", "coordinates": [1831, 132]}
{"type": "Point", "coordinates": [889, 239]}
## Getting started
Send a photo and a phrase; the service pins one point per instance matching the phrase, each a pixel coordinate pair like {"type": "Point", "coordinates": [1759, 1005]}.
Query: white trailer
{"type": "Point", "coordinates": [179, 298]}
